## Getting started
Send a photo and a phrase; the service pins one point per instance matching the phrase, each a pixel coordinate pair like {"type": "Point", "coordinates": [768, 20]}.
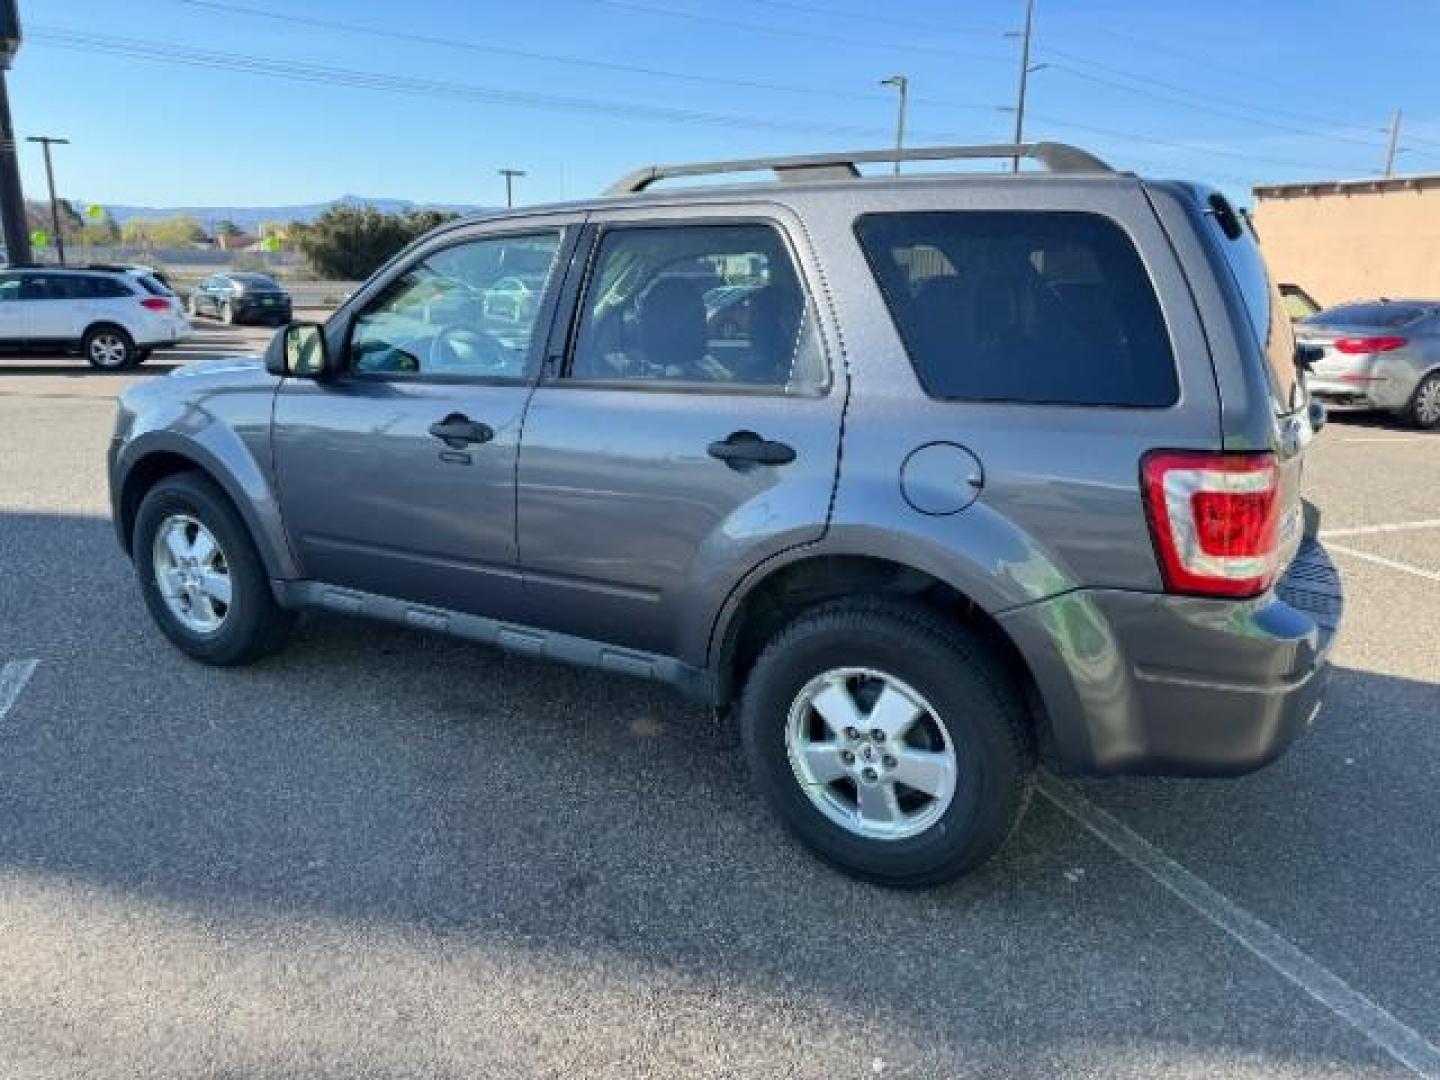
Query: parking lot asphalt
{"type": "Point", "coordinates": [393, 855]}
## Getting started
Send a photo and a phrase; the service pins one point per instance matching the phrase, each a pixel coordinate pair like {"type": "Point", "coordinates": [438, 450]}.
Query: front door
{"type": "Point", "coordinates": [692, 430]}
{"type": "Point", "coordinates": [396, 474]}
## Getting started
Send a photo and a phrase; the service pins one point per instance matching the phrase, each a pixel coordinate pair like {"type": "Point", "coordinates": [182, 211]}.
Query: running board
{"type": "Point", "coordinates": [695, 683]}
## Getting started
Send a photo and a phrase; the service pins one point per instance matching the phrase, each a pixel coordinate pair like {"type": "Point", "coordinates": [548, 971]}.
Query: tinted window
{"type": "Point", "coordinates": [1235, 238]}
{"type": "Point", "coordinates": [9, 287]}
{"type": "Point", "coordinates": [469, 310]}
{"type": "Point", "coordinates": [153, 286]}
{"type": "Point", "coordinates": [709, 304]}
{"type": "Point", "coordinates": [1036, 307]}
{"type": "Point", "coordinates": [1382, 316]}
{"type": "Point", "coordinates": [255, 281]}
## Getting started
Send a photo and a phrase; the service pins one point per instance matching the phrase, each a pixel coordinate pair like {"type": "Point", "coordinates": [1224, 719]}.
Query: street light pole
{"type": "Point", "coordinates": [902, 84]}
{"type": "Point", "coordinates": [1024, 79]}
{"type": "Point", "coordinates": [46, 141]}
{"type": "Point", "coordinates": [510, 175]}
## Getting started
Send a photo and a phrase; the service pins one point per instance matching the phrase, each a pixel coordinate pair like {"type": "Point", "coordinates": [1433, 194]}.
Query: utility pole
{"type": "Point", "coordinates": [510, 175]}
{"type": "Point", "coordinates": [1394, 139]}
{"type": "Point", "coordinates": [1024, 78]}
{"type": "Point", "coordinates": [47, 141]}
{"type": "Point", "coordinates": [902, 84]}
{"type": "Point", "coordinates": [12, 196]}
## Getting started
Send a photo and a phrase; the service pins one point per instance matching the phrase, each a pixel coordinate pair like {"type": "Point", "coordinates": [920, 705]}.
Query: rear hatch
{"type": "Point", "coordinates": [1269, 348]}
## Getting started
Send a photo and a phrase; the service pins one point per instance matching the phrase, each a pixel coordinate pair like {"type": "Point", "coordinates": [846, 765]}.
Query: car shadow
{"type": "Point", "coordinates": [376, 775]}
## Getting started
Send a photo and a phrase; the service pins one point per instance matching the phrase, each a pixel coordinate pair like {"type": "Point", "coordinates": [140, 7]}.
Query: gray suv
{"type": "Point", "coordinates": [977, 472]}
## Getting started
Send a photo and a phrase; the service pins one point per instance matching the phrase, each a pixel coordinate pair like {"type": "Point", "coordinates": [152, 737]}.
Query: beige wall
{"type": "Point", "coordinates": [1346, 246]}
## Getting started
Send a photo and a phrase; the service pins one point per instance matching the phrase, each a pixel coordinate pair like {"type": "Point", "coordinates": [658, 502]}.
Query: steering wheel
{"type": "Point", "coordinates": [462, 349]}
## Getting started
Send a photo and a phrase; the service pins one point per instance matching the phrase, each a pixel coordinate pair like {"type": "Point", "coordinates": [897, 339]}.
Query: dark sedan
{"type": "Point", "coordinates": [241, 297]}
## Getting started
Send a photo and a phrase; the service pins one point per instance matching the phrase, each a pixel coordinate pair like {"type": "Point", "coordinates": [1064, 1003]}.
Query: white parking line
{"type": "Point", "coordinates": [1368, 530]}
{"type": "Point", "coordinates": [1403, 1043]}
{"type": "Point", "coordinates": [1391, 439]}
{"type": "Point", "coordinates": [1380, 560]}
{"type": "Point", "coordinates": [13, 677]}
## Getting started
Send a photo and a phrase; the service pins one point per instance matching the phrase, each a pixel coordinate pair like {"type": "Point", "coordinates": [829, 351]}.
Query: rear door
{"type": "Point", "coordinates": [12, 310]}
{"type": "Point", "coordinates": [672, 446]}
{"type": "Point", "coordinates": [52, 311]}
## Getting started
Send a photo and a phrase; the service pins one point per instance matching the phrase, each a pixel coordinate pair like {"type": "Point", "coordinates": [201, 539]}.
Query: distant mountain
{"type": "Point", "coordinates": [248, 218]}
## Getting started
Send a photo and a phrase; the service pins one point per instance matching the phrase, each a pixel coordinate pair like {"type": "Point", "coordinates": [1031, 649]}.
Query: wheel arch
{"type": "Point", "coordinates": [770, 600]}
{"type": "Point", "coordinates": [153, 458]}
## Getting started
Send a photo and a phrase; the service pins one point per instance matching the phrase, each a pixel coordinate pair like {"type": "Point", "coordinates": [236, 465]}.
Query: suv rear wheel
{"type": "Point", "coordinates": [108, 348]}
{"type": "Point", "coordinates": [889, 739]}
{"type": "Point", "coordinates": [201, 576]}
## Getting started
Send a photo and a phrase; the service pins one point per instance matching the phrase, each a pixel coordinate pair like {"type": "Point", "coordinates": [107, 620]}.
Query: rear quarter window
{"type": "Point", "coordinates": [1040, 307]}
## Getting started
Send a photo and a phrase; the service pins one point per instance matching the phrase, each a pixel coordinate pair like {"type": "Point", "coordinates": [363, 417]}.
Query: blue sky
{"type": "Point", "coordinates": [1233, 92]}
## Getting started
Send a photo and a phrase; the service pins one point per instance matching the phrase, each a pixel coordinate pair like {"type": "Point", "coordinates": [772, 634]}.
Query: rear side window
{"type": "Point", "coordinates": [1235, 237]}
{"type": "Point", "coordinates": [152, 286]}
{"type": "Point", "coordinates": [1049, 308]}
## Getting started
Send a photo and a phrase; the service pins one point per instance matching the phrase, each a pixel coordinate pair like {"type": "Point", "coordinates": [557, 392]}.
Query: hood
{"type": "Point", "coordinates": [237, 369]}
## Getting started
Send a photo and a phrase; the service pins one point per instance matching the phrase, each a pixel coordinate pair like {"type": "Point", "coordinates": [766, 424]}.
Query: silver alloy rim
{"type": "Point", "coordinates": [1427, 401]}
{"type": "Point", "coordinates": [192, 573]}
{"type": "Point", "coordinates": [107, 350]}
{"type": "Point", "coordinates": [871, 753]}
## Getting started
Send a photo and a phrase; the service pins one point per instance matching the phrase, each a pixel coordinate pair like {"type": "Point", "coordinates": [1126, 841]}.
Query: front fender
{"type": "Point", "coordinates": [231, 446]}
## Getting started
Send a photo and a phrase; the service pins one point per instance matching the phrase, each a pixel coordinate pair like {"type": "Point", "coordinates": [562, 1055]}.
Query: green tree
{"type": "Point", "coordinates": [350, 242]}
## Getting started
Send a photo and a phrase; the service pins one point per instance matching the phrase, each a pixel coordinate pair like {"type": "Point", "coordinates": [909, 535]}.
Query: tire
{"type": "Point", "coordinates": [1424, 409]}
{"type": "Point", "coordinates": [975, 711]}
{"type": "Point", "coordinates": [227, 314]}
{"type": "Point", "coordinates": [109, 348]}
{"type": "Point", "coordinates": [252, 624]}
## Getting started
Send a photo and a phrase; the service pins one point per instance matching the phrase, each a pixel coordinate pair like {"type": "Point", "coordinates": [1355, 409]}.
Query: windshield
{"type": "Point", "coordinates": [1383, 315]}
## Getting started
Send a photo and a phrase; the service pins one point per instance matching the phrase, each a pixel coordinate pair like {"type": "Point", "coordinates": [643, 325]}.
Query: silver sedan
{"type": "Point", "coordinates": [1377, 354]}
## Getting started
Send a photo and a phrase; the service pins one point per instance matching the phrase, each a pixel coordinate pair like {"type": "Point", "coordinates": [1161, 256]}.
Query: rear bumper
{"type": "Point", "coordinates": [1386, 393]}
{"type": "Point", "coordinates": [1182, 686]}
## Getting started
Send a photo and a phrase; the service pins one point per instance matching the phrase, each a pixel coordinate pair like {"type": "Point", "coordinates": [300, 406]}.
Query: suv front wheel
{"type": "Point", "coordinates": [201, 576]}
{"type": "Point", "coordinates": [109, 348]}
{"type": "Point", "coordinates": [889, 739]}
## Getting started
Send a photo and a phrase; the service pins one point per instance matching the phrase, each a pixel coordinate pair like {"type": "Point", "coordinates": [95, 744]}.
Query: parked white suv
{"type": "Point", "coordinates": [113, 317]}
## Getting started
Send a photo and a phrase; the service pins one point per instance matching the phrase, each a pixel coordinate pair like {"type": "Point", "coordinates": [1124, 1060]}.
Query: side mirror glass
{"type": "Point", "coordinates": [298, 352]}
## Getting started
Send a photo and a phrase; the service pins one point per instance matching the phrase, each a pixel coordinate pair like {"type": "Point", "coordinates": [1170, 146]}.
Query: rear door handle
{"type": "Point", "coordinates": [743, 448]}
{"type": "Point", "coordinates": [457, 430]}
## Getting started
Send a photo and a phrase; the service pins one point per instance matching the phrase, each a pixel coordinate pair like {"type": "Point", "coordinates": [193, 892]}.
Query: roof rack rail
{"type": "Point", "coordinates": [1057, 157]}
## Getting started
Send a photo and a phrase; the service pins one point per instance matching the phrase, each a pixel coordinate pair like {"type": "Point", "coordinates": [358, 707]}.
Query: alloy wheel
{"type": "Point", "coordinates": [871, 753]}
{"type": "Point", "coordinates": [108, 350]}
{"type": "Point", "coordinates": [192, 573]}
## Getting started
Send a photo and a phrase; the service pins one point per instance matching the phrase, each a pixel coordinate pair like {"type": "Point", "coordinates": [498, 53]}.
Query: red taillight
{"type": "Point", "coordinates": [1215, 520]}
{"type": "Point", "coordinates": [155, 303]}
{"type": "Point", "coordinates": [1353, 346]}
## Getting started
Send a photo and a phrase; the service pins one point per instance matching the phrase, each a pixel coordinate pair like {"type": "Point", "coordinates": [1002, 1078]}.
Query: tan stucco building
{"type": "Point", "coordinates": [1345, 239]}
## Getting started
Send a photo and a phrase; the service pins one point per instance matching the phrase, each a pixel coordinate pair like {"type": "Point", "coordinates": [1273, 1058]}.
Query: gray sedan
{"type": "Point", "coordinates": [1379, 354]}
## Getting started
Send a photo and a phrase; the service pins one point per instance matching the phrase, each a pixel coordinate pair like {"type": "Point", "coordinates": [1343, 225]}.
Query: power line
{"type": "Point", "coordinates": [313, 73]}
{"type": "Point", "coordinates": [527, 54]}
{"type": "Point", "coordinates": [1234, 103]}
{"type": "Point", "coordinates": [1207, 150]}
{"type": "Point", "coordinates": [787, 31]}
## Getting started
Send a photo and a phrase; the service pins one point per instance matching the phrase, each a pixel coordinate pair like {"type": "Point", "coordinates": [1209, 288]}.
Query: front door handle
{"type": "Point", "coordinates": [742, 448]}
{"type": "Point", "coordinates": [457, 430]}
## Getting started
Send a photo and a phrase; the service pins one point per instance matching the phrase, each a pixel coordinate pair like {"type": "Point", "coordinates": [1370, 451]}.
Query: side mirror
{"type": "Point", "coordinates": [1307, 356]}
{"type": "Point", "coordinates": [298, 352]}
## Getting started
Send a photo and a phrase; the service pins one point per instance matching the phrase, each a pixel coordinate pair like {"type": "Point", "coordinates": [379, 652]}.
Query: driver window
{"type": "Point", "coordinates": [706, 304]}
{"type": "Point", "coordinates": [469, 310]}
